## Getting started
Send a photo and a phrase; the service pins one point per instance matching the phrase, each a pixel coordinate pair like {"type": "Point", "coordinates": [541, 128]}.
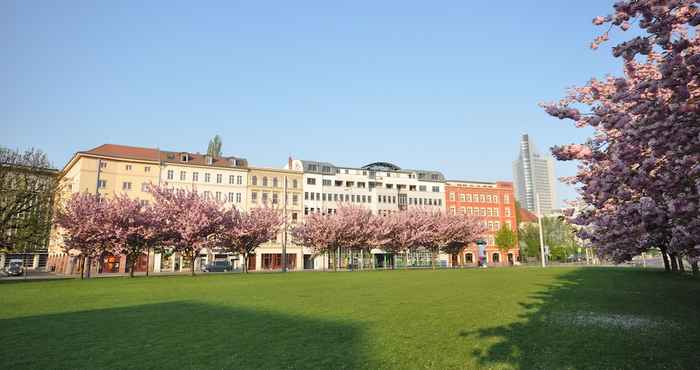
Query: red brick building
{"type": "Point", "coordinates": [494, 204]}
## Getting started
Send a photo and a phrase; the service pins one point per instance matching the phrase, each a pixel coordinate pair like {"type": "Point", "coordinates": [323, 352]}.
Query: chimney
{"type": "Point", "coordinates": [289, 162]}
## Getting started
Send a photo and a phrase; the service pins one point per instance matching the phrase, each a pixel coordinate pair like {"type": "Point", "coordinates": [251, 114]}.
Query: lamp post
{"type": "Point", "coordinates": [284, 235]}
{"type": "Point", "coordinates": [539, 219]}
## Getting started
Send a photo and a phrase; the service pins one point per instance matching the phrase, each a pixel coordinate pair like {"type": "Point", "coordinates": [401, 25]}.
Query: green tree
{"type": "Point", "coordinates": [27, 188]}
{"type": "Point", "coordinates": [530, 237]}
{"type": "Point", "coordinates": [214, 148]}
{"type": "Point", "coordinates": [505, 239]}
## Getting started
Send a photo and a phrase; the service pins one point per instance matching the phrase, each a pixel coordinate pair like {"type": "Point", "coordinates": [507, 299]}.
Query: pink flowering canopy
{"type": "Point", "coordinates": [639, 175]}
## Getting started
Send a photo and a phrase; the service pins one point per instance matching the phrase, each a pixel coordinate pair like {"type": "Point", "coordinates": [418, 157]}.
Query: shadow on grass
{"type": "Point", "coordinates": [596, 318]}
{"type": "Point", "coordinates": [178, 335]}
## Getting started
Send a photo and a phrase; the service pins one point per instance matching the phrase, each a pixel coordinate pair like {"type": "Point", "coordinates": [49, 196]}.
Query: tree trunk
{"type": "Point", "coordinates": [434, 255]}
{"type": "Point", "coordinates": [192, 259]}
{"type": "Point", "coordinates": [694, 265]}
{"type": "Point", "coordinates": [132, 264]}
{"type": "Point", "coordinates": [245, 263]}
{"type": "Point", "coordinates": [664, 256]}
{"type": "Point", "coordinates": [87, 266]}
{"type": "Point", "coordinates": [680, 263]}
{"type": "Point", "coordinates": [674, 263]}
{"type": "Point", "coordinates": [82, 267]}
{"type": "Point", "coordinates": [148, 260]}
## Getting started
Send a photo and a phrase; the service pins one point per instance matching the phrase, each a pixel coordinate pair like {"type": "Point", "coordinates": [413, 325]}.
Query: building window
{"type": "Point", "coordinates": [218, 196]}
{"type": "Point", "coordinates": [327, 182]}
{"type": "Point", "coordinates": [128, 167]}
{"type": "Point", "coordinates": [195, 176]}
{"type": "Point", "coordinates": [469, 197]}
{"type": "Point", "coordinates": [147, 169]}
{"type": "Point", "coordinates": [103, 164]}
{"type": "Point", "coordinates": [452, 196]}
{"type": "Point", "coordinates": [230, 197]}
{"type": "Point", "coordinates": [436, 189]}
{"type": "Point", "coordinates": [275, 198]}
{"type": "Point", "coordinates": [506, 199]}
{"type": "Point", "coordinates": [509, 225]}
{"type": "Point", "coordinates": [231, 179]}
{"type": "Point", "coordinates": [126, 185]}
{"type": "Point", "coordinates": [171, 174]}
{"type": "Point", "coordinates": [453, 210]}
{"type": "Point", "coordinates": [239, 180]}
{"type": "Point", "coordinates": [295, 183]}
{"type": "Point", "coordinates": [295, 199]}
{"type": "Point", "coordinates": [482, 198]}
{"type": "Point", "coordinates": [463, 210]}
{"type": "Point", "coordinates": [264, 197]}
{"type": "Point", "coordinates": [463, 197]}
{"type": "Point", "coordinates": [295, 217]}
{"type": "Point", "coordinates": [495, 212]}
{"type": "Point", "coordinates": [488, 212]}
{"type": "Point", "coordinates": [311, 181]}
{"type": "Point", "coordinates": [488, 199]}
{"type": "Point", "coordinates": [495, 199]}
{"type": "Point", "coordinates": [183, 175]}
{"type": "Point", "coordinates": [207, 194]}
{"type": "Point", "coordinates": [275, 183]}
{"type": "Point", "coordinates": [101, 184]}
{"type": "Point", "coordinates": [254, 197]}
{"type": "Point", "coordinates": [264, 181]}
{"type": "Point", "coordinates": [507, 212]}
{"type": "Point", "coordinates": [207, 177]}
{"type": "Point", "coordinates": [254, 180]}
{"type": "Point", "coordinates": [496, 258]}
{"type": "Point", "coordinates": [219, 178]}
{"type": "Point", "coordinates": [422, 188]}
{"type": "Point", "coordinates": [144, 186]}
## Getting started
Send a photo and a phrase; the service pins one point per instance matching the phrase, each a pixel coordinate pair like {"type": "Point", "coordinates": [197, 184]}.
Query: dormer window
{"type": "Point", "coordinates": [184, 157]}
{"type": "Point", "coordinates": [210, 160]}
{"type": "Point", "coordinates": [234, 162]}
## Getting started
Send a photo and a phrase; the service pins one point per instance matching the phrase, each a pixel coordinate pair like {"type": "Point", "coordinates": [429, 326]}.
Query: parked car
{"type": "Point", "coordinates": [15, 267]}
{"type": "Point", "coordinates": [218, 266]}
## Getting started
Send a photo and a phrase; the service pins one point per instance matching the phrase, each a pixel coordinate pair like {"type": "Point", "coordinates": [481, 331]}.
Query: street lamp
{"type": "Point", "coordinates": [539, 219]}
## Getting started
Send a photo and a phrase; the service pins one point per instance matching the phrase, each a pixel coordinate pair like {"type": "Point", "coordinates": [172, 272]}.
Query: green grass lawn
{"type": "Point", "coordinates": [557, 318]}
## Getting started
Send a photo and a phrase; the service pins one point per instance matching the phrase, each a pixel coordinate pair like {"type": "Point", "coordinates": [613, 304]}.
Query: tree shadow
{"type": "Point", "coordinates": [595, 318]}
{"type": "Point", "coordinates": [178, 335]}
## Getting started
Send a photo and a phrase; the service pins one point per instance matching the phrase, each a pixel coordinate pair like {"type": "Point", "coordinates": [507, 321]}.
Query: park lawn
{"type": "Point", "coordinates": [526, 318]}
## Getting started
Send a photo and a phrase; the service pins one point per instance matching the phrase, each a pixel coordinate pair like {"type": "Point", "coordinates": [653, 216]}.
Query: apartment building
{"type": "Point", "coordinates": [494, 204]}
{"type": "Point", "coordinates": [381, 187]}
{"type": "Point", "coordinates": [280, 189]}
{"type": "Point", "coordinates": [111, 169]}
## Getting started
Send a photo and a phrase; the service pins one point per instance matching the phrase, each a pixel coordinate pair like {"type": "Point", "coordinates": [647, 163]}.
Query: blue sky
{"type": "Point", "coordinates": [424, 84]}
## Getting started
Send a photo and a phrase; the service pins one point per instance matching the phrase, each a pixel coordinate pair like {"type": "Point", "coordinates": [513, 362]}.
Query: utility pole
{"type": "Point", "coordinates": [539, 218]}
{"type": "Point", "coordinates": [284, 236]}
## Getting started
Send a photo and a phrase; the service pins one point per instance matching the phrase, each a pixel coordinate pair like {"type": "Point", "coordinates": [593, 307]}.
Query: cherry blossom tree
{"type": "Point", "coordinates": [348, 228]}
{"type": "Point", "coordinates": [639, 174]}
{"type": "Point", "coordinates": [459, 231]}
{"type": "Point", "coordinates": [84, 228]}
{"type": "Point", "coordinates": [190, 222]}
{"type": "Point", "coordinates": [245, 232]}
{"type": "Point", "coordinates": [136, 228]}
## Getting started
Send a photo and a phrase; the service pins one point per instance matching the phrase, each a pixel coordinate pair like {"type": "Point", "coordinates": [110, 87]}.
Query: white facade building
{"type": "Point", "coordinates": [380, 187]}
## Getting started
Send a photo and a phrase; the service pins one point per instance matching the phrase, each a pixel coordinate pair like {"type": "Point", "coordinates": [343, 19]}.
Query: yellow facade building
{"type": "Point", "coordinates": [282, 190]}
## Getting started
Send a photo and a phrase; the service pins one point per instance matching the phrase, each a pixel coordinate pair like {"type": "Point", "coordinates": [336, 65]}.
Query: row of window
{"type": "Point", "coordinates": [265, 198]}
{"type": "Point", "coordinates": [476, 211]}
{"type": "Point", "coordinates": [479, 198]}
{"type": "Point", "coordinates": [328, 197]}
{"type": "Point", "coordinates": [232, 179]}
{"type": "Point", "coordinates": [372, 185]}
{"type": "Point", "coordinates": [275, 182]}
{"type": "Point", "coordinates": [128, 167]}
